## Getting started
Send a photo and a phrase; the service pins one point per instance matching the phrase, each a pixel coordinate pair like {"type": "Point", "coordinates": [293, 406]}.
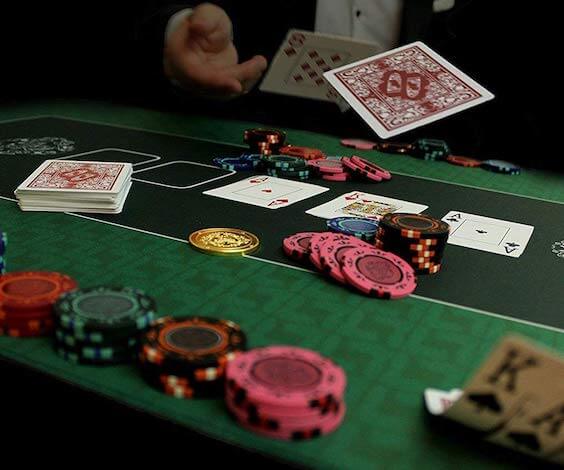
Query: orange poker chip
{"type": "Point", "coordinates": [463, 161]}
{"type": "Point", "coordinates": [33, 291]}
{"type": "Point", "coordinates": [307, 153]}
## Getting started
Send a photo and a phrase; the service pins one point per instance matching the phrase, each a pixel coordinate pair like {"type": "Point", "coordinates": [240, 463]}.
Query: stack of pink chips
{"type": "Point", "coordinates": [285, 392]}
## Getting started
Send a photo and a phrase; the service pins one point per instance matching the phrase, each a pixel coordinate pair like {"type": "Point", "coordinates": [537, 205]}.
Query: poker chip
{"type": "Point", "coordinates": [395, 147]}
{"type": "Point", "coordinates": [360, 172]}
{"type": "Point", "coordinates": [3, 242]}
{"type": "Point", "coordinates": [336, 176]}
{"type": "Point", "coordinates": [27, 299]}
{"type": "Point", "coordinates": [224, 241]}
{"type": "Point", "coordinates": [365, 229]}
{"type": "Point", "coordinates": [307, 153]}
{"type": "Point", "coordinates": [285, 162]}
{"type": "Point", "coordinates": [418, 239]}
{"type": "Point", "coordinates": [371, 167]}
{"type": "Point", "coordinates": [500, 166]}
{"type": "Point", "coordinates": [186, 357]}
{"type": "Point", "coordinates": [378, 273]}
{"type": "Point", "coordinates": [431, 149]}
{"type": "Point", "coordinates": [101, 325]}
{"type": "Point", "coordinates": [298, 246]}
{"type": "Point", "coordinates": [463, 161]}
{"type": "Point", "coordinates": [327, 166]}
{"type": "Point", "coordinates": [264, 141]}
{"type": "Point", "coordinates": [359, 144]}
{"type": "Point", "coordinates": [234, 163]}
{"type": "Point", "coordinates": [317, 240]}
{"type": "Point", "coordinates": [332, 254]}
{"type": "Point", "coordinates": [285, 392]}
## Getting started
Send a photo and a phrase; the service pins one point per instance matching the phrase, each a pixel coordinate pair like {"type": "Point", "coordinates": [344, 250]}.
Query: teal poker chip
{"type": "Point", "coordinates": [106, 311]}
{"type": "Point", "coordinates": [501, 166]}
{"type": "Point", "coordinates": [3, 242]}
{"type": "Point", "coordinates": [305, 175]}
{"type": "Point", "coordinates": [431, 149]}
{"type": "Point", "coordinates": [69, 339]}
{"type": "Point", "coordinates": [94, 357]}
{"type": "Point", "coordinates": [285, 162]}
{"type": "Point", "coordinates": [365, 229]}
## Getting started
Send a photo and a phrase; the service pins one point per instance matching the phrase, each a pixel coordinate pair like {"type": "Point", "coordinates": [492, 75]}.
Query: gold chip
{"type": "Point", "coordinates": [224, 241]}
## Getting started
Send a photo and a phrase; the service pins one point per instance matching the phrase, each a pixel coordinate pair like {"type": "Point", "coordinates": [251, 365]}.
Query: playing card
{"type": "Point", "coordinates": [303, 57]}
{"type": "Point", "coordinates": [438, 401]}
{"type": "Point", "coordinates": [359, 204]}
{"type": "Point", "coordinates": [267, 191]}
{"type": "Point", "coordinates": [487, 234]}
{"type": "Point", "coordinates": [405, 88]}
{"type": "Point", "coordinates": [90, 179]}
{"type": "Point", "coordinates": [516, 399]}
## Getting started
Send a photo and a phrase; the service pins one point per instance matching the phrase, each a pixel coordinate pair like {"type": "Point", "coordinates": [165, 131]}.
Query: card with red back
{"type": "Point", "coordinates": [405, 88]}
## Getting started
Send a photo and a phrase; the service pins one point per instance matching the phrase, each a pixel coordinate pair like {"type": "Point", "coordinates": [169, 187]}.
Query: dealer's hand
{"type": "Point", "coordinates": [201, 58]}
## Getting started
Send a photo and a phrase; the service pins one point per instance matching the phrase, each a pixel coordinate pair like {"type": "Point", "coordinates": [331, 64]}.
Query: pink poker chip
{"type": "Point", "coordinates": [285, 417]}
{"type": "Point", "coordinates": [378, 273]}
{"type": "Point", "coordinates": [285, 376]}
{"type": "Point", "coordinates": [332, 253]}
{"type": "Point", "coordinates": [327, 166]}
{"type": "Point", "coordinates": [316, 242]}
{"type": "Point", "coordinates": [314, 410]}
{"type": "Point", "coordinates": [371, 167]}
{"type": "Point", "coordinates": [293, 432]}
{"type": "Point", "coordinates": [357, 170]}
{"type": "Point", "coordinates": [359, 144]}
{"type": "Point", "coordinates": [337, 177]}
{"type": "Point", "coordinates": [298, 246]}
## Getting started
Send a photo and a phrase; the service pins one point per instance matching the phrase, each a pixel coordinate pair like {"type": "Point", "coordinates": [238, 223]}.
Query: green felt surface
{"type": "Point", "coordinates": [391, 351]}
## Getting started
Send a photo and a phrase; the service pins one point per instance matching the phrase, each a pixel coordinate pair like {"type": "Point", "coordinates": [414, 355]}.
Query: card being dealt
{"type": "Point", "coordinates": [405, 88]}
{"type": "Point", "coordinates": [303, 58]}
{"type": "Point", "coordinates": [267, 191]}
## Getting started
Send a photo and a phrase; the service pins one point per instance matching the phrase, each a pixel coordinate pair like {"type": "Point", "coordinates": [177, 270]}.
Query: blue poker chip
{"type": "Point", "coordinates": [365, 229]}
{"type": "Point", "coordinates": [233, 163]}
{"type": "Point", "coordinates": [501, 166]}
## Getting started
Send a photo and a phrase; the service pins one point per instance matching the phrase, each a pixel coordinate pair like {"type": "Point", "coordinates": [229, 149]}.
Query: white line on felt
{"type": "Point", "coordinates": [485, 312]}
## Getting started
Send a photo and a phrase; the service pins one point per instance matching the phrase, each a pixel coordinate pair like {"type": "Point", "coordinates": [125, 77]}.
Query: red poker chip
{"type": "Point", "coordinates": [357, 170]}
{"type": "Point", "coordinates": [307, 153]}
{"type": "Point", "coordinates": [371, 167]}
{"type": "Point", "coordinates": [333, 252]}
{"type": "Point", "coordinates": [327, 166]}
{"type": "Point", "coordinates": [379, 273]}
{"type": "Point", "coordinates": [298, 246]}
{"type": "Point", "coordinates": [337, 177]}
{"type": "Point", "coordinates": [285, 376]}
{"type": "Point", "coordinates": [33, 290]}
{"type": "Point", "coordinates": [317, 242]}
{"type": "Point", "coordinates": [463, 161]}
{"type": "Point", "coordinates": [359, 144]}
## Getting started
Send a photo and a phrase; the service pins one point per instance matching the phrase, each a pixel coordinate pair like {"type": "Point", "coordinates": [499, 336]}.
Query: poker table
{"type": "Point", "coordinates": [390, 350]}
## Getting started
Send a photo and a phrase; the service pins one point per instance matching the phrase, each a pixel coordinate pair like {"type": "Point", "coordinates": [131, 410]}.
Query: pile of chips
{"type": "Point", "coordinates": [264, 141]}
{"type": "Point", "coordinates": [296, 162]}
{"type": "Point", "coordinates": [3, 245]}
{"type": "Point", "coordinates": [353, 262]}
{"type": "Point", "coordinates": [433, 150]}
{"type": "Point", "coordinates": [27, 299]}
{"type": "Point", "coordinates": [186, 357]}
{"type": "Point", "coordinates": [286, 392]}
{"type": "Point", "coordinates": [101, 325]}
{"type": "Point", "coordinates": [418, 239]}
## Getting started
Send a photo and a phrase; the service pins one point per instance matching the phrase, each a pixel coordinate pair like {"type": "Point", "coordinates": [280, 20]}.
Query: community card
{"type": "Point", "coordinates": [405, 88]}
{"type": "Point", "coordinates": [303, 57]}
{"type": "Point", "coordinates": [516, 399]}
{"type": "Point", "coordinates": [68, 176]}
{"type": "Point", "coordinates": [368, 206]}
{"type": "Point", "coordinates": [488, 234]}
{"type": "Point", "coordinates": [267, 191]}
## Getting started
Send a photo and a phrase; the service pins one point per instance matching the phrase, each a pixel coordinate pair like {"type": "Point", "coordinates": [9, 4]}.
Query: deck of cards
{"type": "Point", "coordinates": [76, 186]}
